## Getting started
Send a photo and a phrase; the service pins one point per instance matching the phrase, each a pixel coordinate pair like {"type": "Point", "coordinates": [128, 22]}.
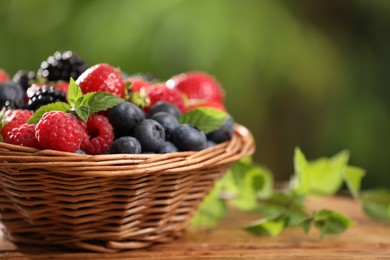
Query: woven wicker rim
{"type": "Point", "coordinates": [20, 157]}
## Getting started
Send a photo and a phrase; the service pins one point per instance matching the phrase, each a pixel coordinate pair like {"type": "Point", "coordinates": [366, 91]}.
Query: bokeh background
{"type": "Point", "coordinates": [313, 74]}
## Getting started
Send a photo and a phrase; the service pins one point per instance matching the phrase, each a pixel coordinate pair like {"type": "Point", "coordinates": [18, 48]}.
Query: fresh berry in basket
{"type": "Point", "coordinates": [223, 133]}
{"type": "Point", "coordinates": [160, 92]}
{"type": "Point", "coordinates": [3, 76]}
{"type": "Point", "coordinates": [59, 131]}
{"type": "Point", "coordinates": [124, 118]}
{"type": "Point", "coordinates": [125, 144]}
{"type": "Point", "coordinates": [198, 85]}
{"type": "Point", "coordinates": [23, 135]}
{"type": "Point", "coordinates": [102, 78]}
{"type": "Point", "coordinates": [62, 66]}
{"type": "Point", "coordinates": [43, 95]}
{"type": "Point", "coordinates": [14, 118]}
{"type": "Point", "coordinates": [24, 78]}
{"type": "Point", "coordinates": [163, 106]}
{"type": "Point", "coordinates": [197, 103]}
{"type": "Point", "coordinates": [168, 121]}
{"type": "Point", "coordinates": [168, 147]}
{"type": "Point", "coordinates": [188, 138]}
{"type": "Point", "coordinates": [100, 135]}
{"type": "Point", "coordinates": [11, 95]}
{"type": "Point", "coordinates": [150, 134]}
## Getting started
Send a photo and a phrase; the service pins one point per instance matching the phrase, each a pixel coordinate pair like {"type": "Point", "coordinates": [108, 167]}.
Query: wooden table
{"type": "Point", "coordinates": [367, 240]}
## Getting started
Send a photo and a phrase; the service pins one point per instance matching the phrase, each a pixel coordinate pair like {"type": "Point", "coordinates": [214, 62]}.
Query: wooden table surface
{"type": "Point", "coordinates": [368, 239]}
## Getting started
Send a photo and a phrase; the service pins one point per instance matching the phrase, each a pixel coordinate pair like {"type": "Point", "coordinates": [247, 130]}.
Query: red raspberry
{"type": "Point", "coordinates": [160, 92]}
{"type": "Point", "coordinates": [4, 76]}
{"type": "Point", "coordinates": [23, 135]}
{"type": "Point", "coordinates": [198, 85]}
{"type": "Point", "coordinates": [103, 78]}
{"type": "Point", "coordinates": [59, 131]}
{"type": "Point", "coordinates": [211, 104]}
{"type": "Point", "coordinates": [15, 118]}
{"type": "Point", "coordinates": [100, 135]}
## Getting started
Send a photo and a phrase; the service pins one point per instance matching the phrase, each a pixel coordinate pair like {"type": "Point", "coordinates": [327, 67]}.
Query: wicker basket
{"type": "Point", "coordinates": [107, 203]}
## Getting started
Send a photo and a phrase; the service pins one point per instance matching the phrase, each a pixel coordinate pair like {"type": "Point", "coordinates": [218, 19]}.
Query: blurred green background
{"type": "Point", "coordinates": [312, 74]}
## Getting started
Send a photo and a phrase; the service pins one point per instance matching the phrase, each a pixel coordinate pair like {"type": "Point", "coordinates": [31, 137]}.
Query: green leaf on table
{"type": "Point", "coordinates": [353, 178]}
{"type": "Point", "coordinates": [205, 119]}
{"type": "Point", "coordinates": [266, 227]}
{"type": "Point", "coordinates": [57, 106]}
{"type": "Point", "coordinates": [323, 176]}
{"type": "Point", "coordinates": [211, 210]}
{"type": "Point", "coordinates": [376, 203]}
{"type": "Point", "coordinates": [331, 222]}
{"type": "Point", "coordinates": [250, 182]}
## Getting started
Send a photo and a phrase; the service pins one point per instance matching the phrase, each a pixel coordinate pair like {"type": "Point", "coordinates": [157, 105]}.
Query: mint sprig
{"type": "Point", "coordinates": [82, 105]}
{"type": "Point", "coordinates": [205, 119]}
{"type": "Point", "coordinates": [250, 188]}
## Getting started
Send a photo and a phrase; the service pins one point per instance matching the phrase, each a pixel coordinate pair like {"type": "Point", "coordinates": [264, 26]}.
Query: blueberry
{"type": "Point", "coordinates": [124, 118]}
{"type": "Point", "coordinates": [163, 106]}
{"type": "Point", "coordinates": [168, 121]}
{"type": "Point", "coordinates": [150, 134]}
{"type": "Point", "coordinates": [11, 95]}
{"type": "Point", "coordinates": [79, 151]}
{"type": "Point", "coordinates": [168, 147]}
{"type": "Point", "coordinates": [188, 138]}
{"type": "Point", "coordinates": [223, 133]}
{"type": "Point", "coordinates": [125, 144]}
{"type": "Point", "coordinates": [210, 143]}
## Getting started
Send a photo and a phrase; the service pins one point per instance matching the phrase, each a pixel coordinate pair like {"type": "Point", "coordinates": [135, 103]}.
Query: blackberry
{"type": "Point", "coordinates": [23, 78]}
{"type": "Point", "coordinates": [62, 66]}
{"type": "Point", "coordinates": [45, 95]}
{"type": "Point", "coordinates": [11, 95]}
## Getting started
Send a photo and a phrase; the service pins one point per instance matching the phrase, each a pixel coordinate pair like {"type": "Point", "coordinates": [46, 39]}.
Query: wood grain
{"type": "Point", "coordinates": [368, 239]}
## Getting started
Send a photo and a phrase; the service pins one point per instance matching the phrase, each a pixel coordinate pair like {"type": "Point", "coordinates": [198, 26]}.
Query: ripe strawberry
{"type": "Point", "coordinates": [59, 131]}
{"type": "Point", "coordinates": [137, 83]}
{"type": "Point", "coordinates": [23, 135]}
{"type": "Point", "coordinates": [160, 92]}
{"type": "Point", "coordinates": [104, 78]}
{"type": "Point", "coordinates": [62, 85]}
{"type": "Point", "coordinates": [4, 76]}
{"type": "Point", "coordinates": [198, 85]}
{"type": "Point", "coordinates": [15, 118]}
{"type": "Point", "coordinates": [211, 104]}
{"type": "Point", "coordinates": [100, 135]}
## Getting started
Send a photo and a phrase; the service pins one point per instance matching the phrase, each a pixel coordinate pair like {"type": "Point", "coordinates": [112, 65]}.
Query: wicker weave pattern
{"type": "Point", "coordinates": [108, 203]}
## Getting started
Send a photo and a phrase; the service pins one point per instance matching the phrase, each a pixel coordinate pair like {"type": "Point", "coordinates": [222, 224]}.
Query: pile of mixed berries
{"type": "Point", "coordinates": [69, 106]}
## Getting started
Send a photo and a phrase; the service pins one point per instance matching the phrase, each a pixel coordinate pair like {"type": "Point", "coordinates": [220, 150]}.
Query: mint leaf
{"type": "Point", "coordinates": [252, 182]}
{"type": "Point", "coordinates": [331, 222]}
{"type": "Point", "coordinates": [376, 203]}
{"type": "Point", "coordinates": [353, 178]}
{"type": "Point", "coordinates": [57, 106]}
{"type": "Point", "coordinates": [211, 210]}
{"type": "Point", "coordinates": [83, 112]}
{"type": "Point", "coordinates": [74, 93]}
{"type": "Point", "coordinates": [306, 224]}
{"type": "Point", "coordinates": [301, 178]}
{"type": "Point", "coordinates": [99, 101]}
{"type": "Point", "coordinates": [266, 227]}
{"type": "Point", "coordinates": [322, 176]}
{"type": "Point", "coordinates": [205, 119]}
